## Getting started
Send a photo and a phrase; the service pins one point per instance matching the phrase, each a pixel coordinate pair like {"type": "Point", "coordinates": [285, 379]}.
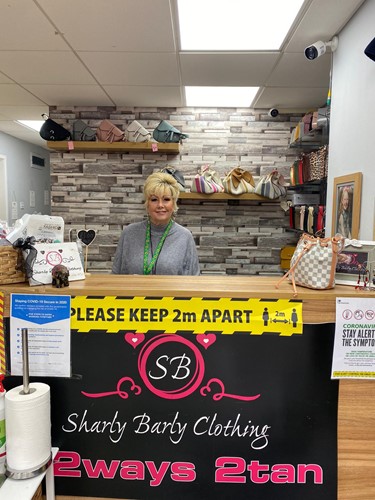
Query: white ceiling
{"type": "Point", "coordinates": [126, 53]}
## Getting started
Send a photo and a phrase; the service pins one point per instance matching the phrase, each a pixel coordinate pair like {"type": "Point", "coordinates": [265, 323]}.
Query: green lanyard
{"type": "Point", "coordinates": [147, 267]}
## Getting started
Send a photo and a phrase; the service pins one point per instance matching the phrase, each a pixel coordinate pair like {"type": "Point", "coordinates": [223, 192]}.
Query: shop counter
{"type": "Point", "coordinates": [319, 306]}
{"type": "Point", "coordinates": [356, 407]}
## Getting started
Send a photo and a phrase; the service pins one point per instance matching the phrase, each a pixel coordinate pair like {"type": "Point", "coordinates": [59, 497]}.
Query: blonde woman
{"type": "Point", "coordinates": [344, 221]}
{"type": "Point", "coordinates": [157, 245]}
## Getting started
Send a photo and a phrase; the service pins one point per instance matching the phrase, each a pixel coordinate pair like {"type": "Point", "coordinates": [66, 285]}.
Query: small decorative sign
{"type": "Point", "coordinates": [50, 255]}
{"type": "Point", "coordinates": [87, 237]}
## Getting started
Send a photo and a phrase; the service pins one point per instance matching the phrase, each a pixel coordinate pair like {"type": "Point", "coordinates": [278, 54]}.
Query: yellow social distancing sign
{"type": "Point", "coordinates": [177, 314]}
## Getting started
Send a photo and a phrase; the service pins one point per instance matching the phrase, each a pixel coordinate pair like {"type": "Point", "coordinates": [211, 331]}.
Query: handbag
{"type": "Point", "coordinates": [108, 132]}
{"type": "Point", "coordinates": [136, 132]}
{"type": "Point", "coordinates": [165, 132]}
{"type": "Point", "coordinates": [82, 132]}
{"type": "Point", "coordinates": [238, 181]}
{"type": "Point", "coordinates": [319, 163]}
{"type": "Point", "coordinates": [271, 186]}
{"type": "Point", "coordinates": [177, 175]}
{"type": "Point", "coordinates": [313, 264]}
{"type": "Point", "coordinates": [207, 182]}
{"type": "Point", "coordinates": [53, 131]}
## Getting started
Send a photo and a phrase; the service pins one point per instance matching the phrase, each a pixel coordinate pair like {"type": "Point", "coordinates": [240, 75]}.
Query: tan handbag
{"type": "Point", "coordinates": [135, 132]}
{"type": "Point", "coordinates": [108, 132]}
{"type": "Point", "coordinates": [238, 181]}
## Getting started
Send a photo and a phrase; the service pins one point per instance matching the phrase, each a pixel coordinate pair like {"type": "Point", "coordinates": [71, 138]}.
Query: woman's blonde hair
{"type": "Point", "coordinates": [345, 190]}
{"type": "Point", "coordinates": [159, 184]}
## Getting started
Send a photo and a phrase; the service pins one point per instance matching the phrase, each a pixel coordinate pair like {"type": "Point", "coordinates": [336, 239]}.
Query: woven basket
{"type": "Point", "coordinates": [8, 266]}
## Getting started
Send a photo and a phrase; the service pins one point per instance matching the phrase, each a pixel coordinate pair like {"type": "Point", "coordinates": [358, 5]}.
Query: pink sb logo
{"type": "Point", "coordinates": [171, 373]}
{"type": "Point", "coordinates": [171, 367]}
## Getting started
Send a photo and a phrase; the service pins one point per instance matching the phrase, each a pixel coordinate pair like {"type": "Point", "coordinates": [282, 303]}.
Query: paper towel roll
{"type": "Point", "coordinates": [28, 427]}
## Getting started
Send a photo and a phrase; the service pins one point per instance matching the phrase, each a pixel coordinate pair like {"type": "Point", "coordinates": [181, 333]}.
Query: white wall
{"type": "Point", "coordinates": [22, 178]}
{"type": "Point", "coordinates": [352, 131]}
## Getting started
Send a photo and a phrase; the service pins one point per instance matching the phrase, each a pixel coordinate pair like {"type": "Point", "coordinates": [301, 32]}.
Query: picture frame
{"type": "Point", "coordinates": [356, 264]}
{"type": "Point", "coordinates": [347, 205]}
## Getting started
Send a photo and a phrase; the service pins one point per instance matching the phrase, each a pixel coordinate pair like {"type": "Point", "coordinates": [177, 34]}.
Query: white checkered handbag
{"type": "Point", "coordinates": [313, 264]}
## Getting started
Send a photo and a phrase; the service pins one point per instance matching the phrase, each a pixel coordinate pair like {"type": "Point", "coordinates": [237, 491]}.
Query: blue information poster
{"type": "Point", "coordinates": [47, 320]}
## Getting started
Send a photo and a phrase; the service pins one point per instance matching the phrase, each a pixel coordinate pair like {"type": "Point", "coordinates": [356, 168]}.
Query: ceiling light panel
{"type": "Point", "coordinates": [235, 25]}
{"type": "Point", "coordinates": [233, 97]}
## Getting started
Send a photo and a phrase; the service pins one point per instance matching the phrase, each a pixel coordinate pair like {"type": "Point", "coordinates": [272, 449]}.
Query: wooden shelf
{"type": "Point", "coordinates": [114, 147]}
{"type": "Point", "coordinates": [224, 196]}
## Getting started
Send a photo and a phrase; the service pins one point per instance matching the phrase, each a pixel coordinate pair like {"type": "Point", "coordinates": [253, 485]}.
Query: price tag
{"type": "Point", "coordinates": [70, 145]}
{"type": "Point", "coordinates": [154, 147]}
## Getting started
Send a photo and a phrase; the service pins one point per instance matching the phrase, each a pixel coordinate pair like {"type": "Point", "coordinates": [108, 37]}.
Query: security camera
{"type": "Point", "coordinates": [273, 112]}
{"type": "Point", "coordinates": [319, 48]}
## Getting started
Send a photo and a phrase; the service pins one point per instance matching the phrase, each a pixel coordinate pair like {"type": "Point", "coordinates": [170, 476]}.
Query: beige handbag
{"type": "Point", "coordinates": [313, 264]}
{"type": "Point", "coordinates": [271, 186]}
{"type": "Point", "coordinates": [238, 181]}
{"type": "Point", "coordinates": [135, 132]}
{"type": "Point", "coordinates": [108, 132]}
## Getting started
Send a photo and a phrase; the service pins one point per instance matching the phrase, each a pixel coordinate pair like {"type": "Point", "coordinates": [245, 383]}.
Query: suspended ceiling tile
{"type": "Point", "coordinates": [44, 67]}
{"type": "Point", "coordinates": [15, 95]}
{"type": "Point", "coordinates": [24, 27]}
{"type": "Point", "coordinates": [220, 69]}
{"type": "Point", "coordinates": [4, 79]}
{"type": "Point", "coordinates": [295, 69]}
{"type": "Point", "coordinates": [11, 126]}
{"type": "Point", "coordinates": [151, 96]}
{"type": "Point", "coordinates": [115, 25]}
{"type": "Point", "coordinates": [124, 68]}
{"type": "Point", "coordinates": [322, 20]}
{"type": "Point", "coordinates": [23, 112]}
{"type": "Point", "coordinates": [71, 95]}
{"type": "Point", "coordinates": [292, 98]}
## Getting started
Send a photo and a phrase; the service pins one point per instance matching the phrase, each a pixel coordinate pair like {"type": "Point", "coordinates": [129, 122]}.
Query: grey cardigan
{"type": "Point", "coordinates": [178, 254]}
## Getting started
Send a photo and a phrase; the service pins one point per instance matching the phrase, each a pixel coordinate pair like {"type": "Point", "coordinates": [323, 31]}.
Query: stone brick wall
{"type": "Point", "coordinates": [103, 191]}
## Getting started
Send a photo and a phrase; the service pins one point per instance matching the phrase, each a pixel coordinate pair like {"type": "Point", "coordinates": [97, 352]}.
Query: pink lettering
{"type": "Point", "coordinates": [64, 462]}
{"type": "Point", "coordinates": [100, 468]}
{"type": "Point", "coordinates": [132, 469]}
{"type": "Point", "coordinates": [230, 467]}
{"type": "Point", "coordinates": [183, 472]}
{"type": "Point", "coordinates": [157, 475]}
{"type": "Point", "coordinates": [317, 473]}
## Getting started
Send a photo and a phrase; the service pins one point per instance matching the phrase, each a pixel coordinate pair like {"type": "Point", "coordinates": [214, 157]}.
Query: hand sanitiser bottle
{"type": "Point", "coordinates": [2, 425]}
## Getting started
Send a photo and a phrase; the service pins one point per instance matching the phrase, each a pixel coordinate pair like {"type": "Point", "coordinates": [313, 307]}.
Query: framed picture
{"type": "Point", "coordinates": [356, 264]}
{"type": "Point", "coordinates": [347, 205]}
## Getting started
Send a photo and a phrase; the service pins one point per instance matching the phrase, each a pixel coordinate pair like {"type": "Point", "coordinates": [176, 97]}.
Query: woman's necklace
{"type": "Point", "coordinates": [147, 267]}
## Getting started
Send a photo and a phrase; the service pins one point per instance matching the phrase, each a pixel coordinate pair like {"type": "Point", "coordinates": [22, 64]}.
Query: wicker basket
{"type": "Point", "coordinates": [8, 266]}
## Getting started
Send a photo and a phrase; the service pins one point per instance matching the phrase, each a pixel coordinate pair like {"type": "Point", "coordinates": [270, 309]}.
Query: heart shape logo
{"type": "Point", "coordinates": [87, 237]}
{"type": "Point", "coordinates": [206, 339]}
{"type": "Point", "coordinates": [134, 339]}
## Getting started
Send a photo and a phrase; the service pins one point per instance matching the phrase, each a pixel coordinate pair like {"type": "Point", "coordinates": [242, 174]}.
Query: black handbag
{"type": "Point", "coordinates": [176, 174]}
{"type": "Point", "coordinates": [82, 132]}
{"type": "Point", "coordinates": [53, 131]}
{"type": "Point", "coordinates": [165, 132]}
